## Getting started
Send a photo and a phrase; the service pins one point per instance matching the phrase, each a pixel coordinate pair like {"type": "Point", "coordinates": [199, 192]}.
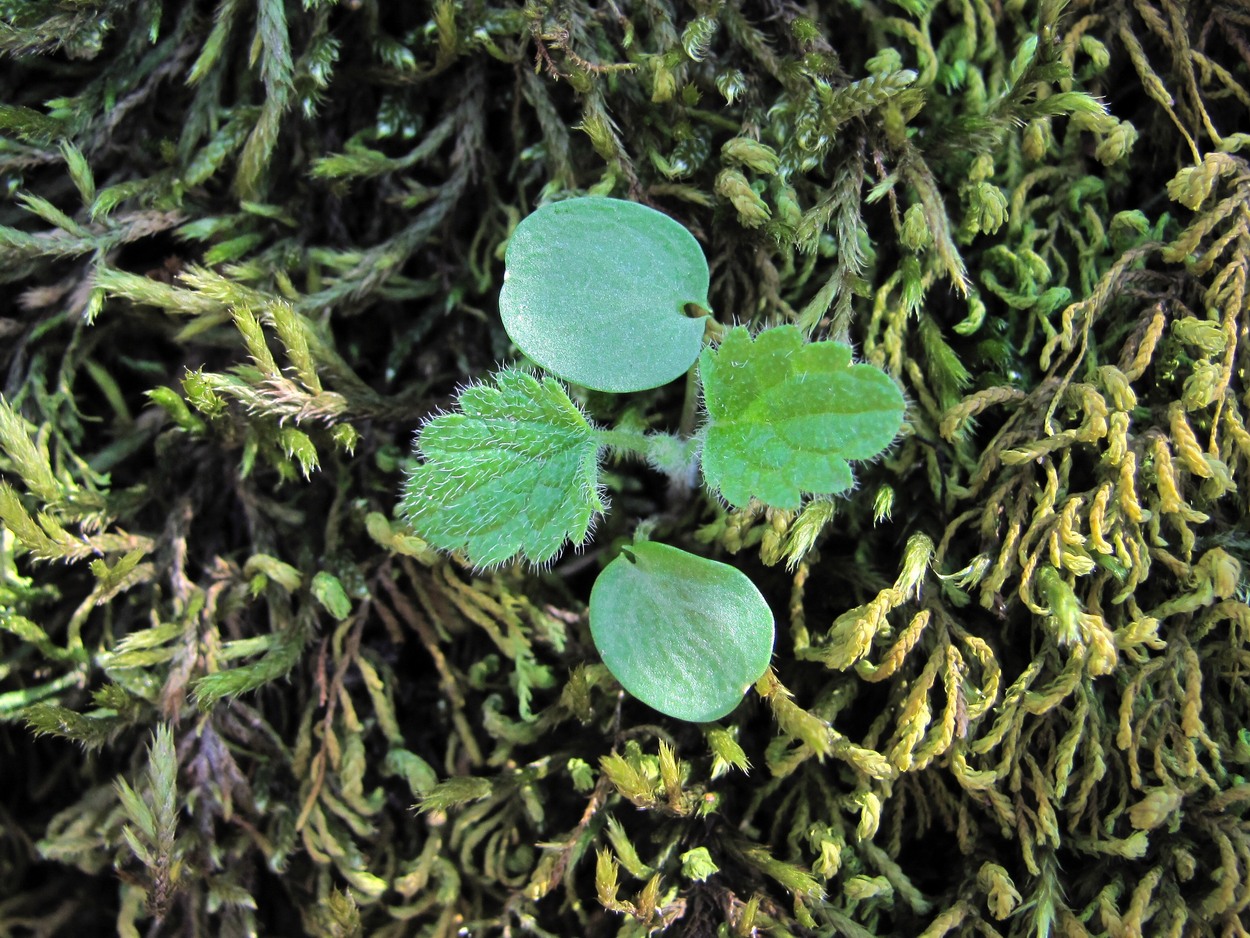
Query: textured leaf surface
{"type": "Point", "coordinates": [515, 472]}
{"type": "Point", "coordinates": [684, 634]}
{"type": "Point", "coordinates": [596, 289]}
{"type": "Point", "coordinates": [786, 415]}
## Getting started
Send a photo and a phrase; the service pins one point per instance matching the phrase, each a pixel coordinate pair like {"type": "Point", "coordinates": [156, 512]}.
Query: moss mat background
{"type": "Point", "coordinates": [247, 246]}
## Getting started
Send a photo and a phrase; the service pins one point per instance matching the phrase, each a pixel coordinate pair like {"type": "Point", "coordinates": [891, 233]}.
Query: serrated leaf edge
{"type": "Point", "coordinates": [699, 438]}
{"type": "Point", "coordinates": [601, 491]}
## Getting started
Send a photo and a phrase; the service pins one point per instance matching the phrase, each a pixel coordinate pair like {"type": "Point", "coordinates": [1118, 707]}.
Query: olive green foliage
{"type": "Point", "coordinates": [247, 245]}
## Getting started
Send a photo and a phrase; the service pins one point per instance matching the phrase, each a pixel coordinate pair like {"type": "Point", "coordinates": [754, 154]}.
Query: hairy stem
{"type": "Point", "coordinates": [674, 455]}
{"type": "Point", "coordinates": [634, 442]}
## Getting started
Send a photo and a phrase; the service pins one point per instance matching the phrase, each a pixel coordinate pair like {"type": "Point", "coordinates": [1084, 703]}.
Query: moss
{"type": "Point", "coordinates": [249, 246]}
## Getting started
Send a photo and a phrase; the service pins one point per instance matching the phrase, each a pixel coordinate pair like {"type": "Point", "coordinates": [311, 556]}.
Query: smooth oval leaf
{"type": "Point", "coordinates": [786, 415]}
{"type": "Point", "coordinates": [515, 472]}
{"type": "Point", "coordinates": [684, 634]}
{"type": "Point", "coordinates": [596, 290]}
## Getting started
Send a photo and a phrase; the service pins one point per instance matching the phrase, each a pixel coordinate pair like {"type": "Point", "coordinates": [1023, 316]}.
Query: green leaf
{"type": "Point", "coordinates": [785, 416]}
{"type": "Point", "coordinates": [418, 773]}
{"type": "Point", "coordinates": [51, 719]}
{"type": "Point", "coordinates": [684, 634]}
{"type": "Point", "coordinates": [458, 790]}
{"type": "Point", "coordinates": [271, 568]}
{"type": "Point", "coordinates": [328, 590]}
{"type": "Point", "coordinates": [698, 865]}
{"type": "Point", "coordinates": [596, 290]}
{"type": "Point", "coordinates": [515, 472]}
{"type": "Point", "coordinates": [282, 653]}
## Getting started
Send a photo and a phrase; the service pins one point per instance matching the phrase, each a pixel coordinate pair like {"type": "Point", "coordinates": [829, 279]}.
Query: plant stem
{"type": "Point", "coordinates": [670, 454]}
{"type": "Point", "coordinates": [634, 442]}
{"type": "Point", "coordinates": [689, 406]}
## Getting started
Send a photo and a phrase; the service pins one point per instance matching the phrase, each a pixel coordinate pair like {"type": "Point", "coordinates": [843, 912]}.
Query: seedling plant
{"type": "Point", "coordinates": [613, 296]}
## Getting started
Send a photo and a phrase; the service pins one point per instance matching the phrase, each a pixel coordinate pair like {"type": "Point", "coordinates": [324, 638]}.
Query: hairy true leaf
{"type": "Point", "coordinates": [684, 634]}
{"type": "Point", "coordinates": [786, 415]}
{"type": "Point", "coordinates": [515, 472]}
{"type": "Point", "coordinates": [596, 290]}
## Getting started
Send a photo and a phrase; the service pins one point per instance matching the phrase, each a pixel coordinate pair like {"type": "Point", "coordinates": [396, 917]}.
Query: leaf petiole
{"type": "Point", "coordinates": [633, 442]}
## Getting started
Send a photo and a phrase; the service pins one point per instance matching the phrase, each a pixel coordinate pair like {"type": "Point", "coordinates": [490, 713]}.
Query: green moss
{"type": "Point", "coordinates": [249, 246]}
